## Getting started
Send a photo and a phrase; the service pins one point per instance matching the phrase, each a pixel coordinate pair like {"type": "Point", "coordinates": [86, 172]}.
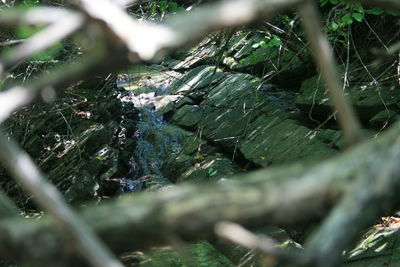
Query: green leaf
{"type": "Point", "coordinates": [357, 16]}
{"type": "Point", "coordinates": [163, 5]}
{"type": "Point", "coordinates": [347, 19]}
{"type": "Point", "coordinates": [276, 41]}
{"type": "Point", "coordinates": [334, 26]}
{"type": "Point", "coordinates": [393, 12]}
{"type": "Point", "coordinates": [323, 2]}
{"type": "Point", "coordinates": [173, 7]}
{"type": "Point", "coordinates": [374, 11]}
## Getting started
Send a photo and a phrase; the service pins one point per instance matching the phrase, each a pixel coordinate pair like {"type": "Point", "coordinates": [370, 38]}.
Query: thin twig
{"type": "Point", "coordinates": [12, 42]}
{"type": "Point", "coordinates": [17, 97]}
{"type": "Point", "coordinates": [323, 55]}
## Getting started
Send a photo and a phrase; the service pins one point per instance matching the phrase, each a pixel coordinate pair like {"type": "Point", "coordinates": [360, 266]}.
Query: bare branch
{"type": "Point", "coordinates": [284, 196]}
{"type": "Point", "coordinates": [36, 16]}
{"type": "Point", "coordinates": [17, 97]}
{"type": "Point", "coordinates": [372, 194]}
{"type": "Point", "coordinates": [44, 39]}
{"type": "Point", "coordinates": [323, 55]}
{"type": "Point", "coordinates": [238, 235]}
{"type": "Point", "coordinates": [148, 41]}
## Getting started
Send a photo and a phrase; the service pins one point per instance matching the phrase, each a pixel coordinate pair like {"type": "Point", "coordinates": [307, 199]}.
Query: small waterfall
{"type": "Point", "coordinates": [153, 145]}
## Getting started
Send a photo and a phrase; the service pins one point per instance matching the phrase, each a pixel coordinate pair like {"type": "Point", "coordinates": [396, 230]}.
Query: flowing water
{"type": "Point", "coordinates": [153, 145]}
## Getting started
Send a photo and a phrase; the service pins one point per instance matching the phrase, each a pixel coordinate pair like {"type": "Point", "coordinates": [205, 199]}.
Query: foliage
{"type": "Point", "coordinates": [156, 10]}
{"type": "Point", "coordinates": [343, 14]}
{"type": "Point", "coordinates": [268, 41]}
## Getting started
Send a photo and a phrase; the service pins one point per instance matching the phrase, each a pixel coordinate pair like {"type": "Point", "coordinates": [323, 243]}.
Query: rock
{"type": "Point", "coordinates": [258, 53]}
{"type": "Point", "coordinates": [83, 188]}
{"type": "Point", "coordinates": [236, 91]}
{"type": "Point", "coordinates": [243, 115]}
{"type": "Point", "coordinates": [109, 159]}
{"type": "Point", "coordinates": [226, 126]}
{"type": "Point", "coordinates": [202, 54]}
{"type": "Point", "coordinates": [376, 248]}
{"type": "Point", "coordinates": [212, 168]}
{"type": "Point", "coordinates": [383, 117]}
{"type": "Point", "coordinates": [197, 79]}
{"type": "Point", "coordinates": [98, 135]}
{"type": "Point", "coordinates": [188, 116]}
{"type": "Point", "coordinates": [367, 100]}
{"type": "Point", "coordinates": [271, 140]}
{"type": "Point", "coordinates": [200, 254]}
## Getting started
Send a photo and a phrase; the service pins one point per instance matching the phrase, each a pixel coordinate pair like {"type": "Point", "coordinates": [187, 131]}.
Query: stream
{"type": "Point", "coordinates": [152, 147]}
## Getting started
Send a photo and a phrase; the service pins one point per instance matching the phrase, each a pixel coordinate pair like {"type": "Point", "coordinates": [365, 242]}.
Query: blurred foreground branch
{"type": "Point", "coordinates": [283, 196]}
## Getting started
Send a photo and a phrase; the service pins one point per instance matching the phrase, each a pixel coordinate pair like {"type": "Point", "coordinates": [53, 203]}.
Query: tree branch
{"type": "Point", "coordinates": [236, 234]}
{"type": "Point", "coordinates": [54, 33]}
{"type": "Point", "coordinates": [323, 55]}
{"type": "Point", "coordinates": [283, 196]}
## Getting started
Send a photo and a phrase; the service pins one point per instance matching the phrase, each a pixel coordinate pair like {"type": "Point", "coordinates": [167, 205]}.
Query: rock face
{"type": "Point", "coordinates": [244, 116]}
{"type": "Point", "coordinates": [78, 142]}
{"type": "Point", "coordinates": [255, 52]}
{"type": "Point", "coordinates": [191, 120]}
{"type": "Point", "coordinates": [368, 100]}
